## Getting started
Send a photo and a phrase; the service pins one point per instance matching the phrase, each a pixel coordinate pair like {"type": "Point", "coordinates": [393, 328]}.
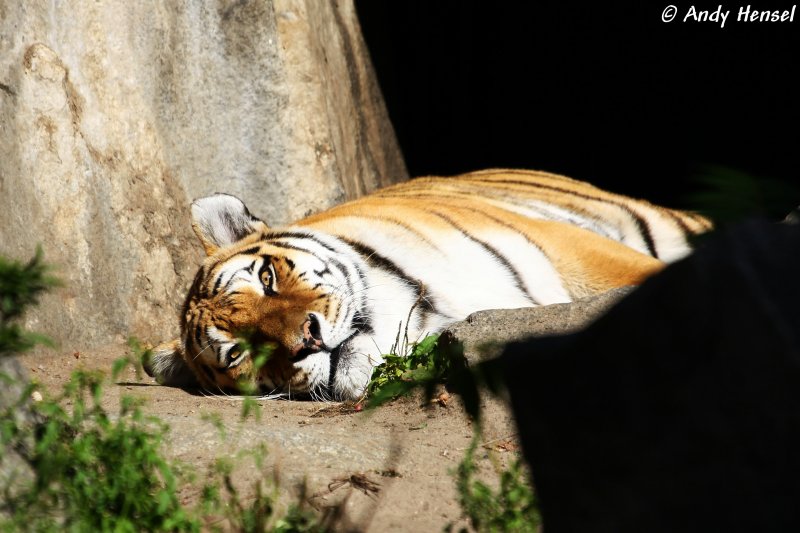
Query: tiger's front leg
{"type": "Point", "coordinates": [357, 357]}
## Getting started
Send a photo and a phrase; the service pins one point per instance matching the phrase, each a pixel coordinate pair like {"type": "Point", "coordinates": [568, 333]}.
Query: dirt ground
{"type": "Point", "coordinates": [408, 450]}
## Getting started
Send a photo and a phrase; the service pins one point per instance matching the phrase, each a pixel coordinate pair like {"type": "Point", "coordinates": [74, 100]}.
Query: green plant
{"type": "Point", "coordinates": [401, 372]}
{"type": "Point", "coordinates": [92, 471]}
{"type": "Point", "coordinates": [95, 472]}
{"type": "Point", "coordinates": [257, 512]}
{"type": "Point", "coordinates": [260, 352]}
{"type": "Point", "coordinates": [428, 363]}
{"type": "Point", "coordinates": [432, 361]}
{"type": "Point", "coordinates": [436, 360]}
{"type": "Point", "coordinates": [20, 286]}
{"type": "Point", "coordinates": [512, 506]}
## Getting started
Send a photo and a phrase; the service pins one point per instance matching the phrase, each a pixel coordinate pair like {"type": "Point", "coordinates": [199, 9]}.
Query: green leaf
{"type": "Point", "coordinates": [118, 366]}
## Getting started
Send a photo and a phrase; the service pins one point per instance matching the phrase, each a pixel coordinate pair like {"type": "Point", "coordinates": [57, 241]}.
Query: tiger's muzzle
{"type": "Point", "coordinates": [312, 339]}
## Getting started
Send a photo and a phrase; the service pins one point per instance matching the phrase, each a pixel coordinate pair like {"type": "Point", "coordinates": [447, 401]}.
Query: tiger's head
{"type": "Point", "coordinates": [294, 291]}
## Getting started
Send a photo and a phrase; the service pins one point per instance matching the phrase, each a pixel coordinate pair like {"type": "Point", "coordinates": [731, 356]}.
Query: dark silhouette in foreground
{"type": "Point", "coordinates": [679, 410]}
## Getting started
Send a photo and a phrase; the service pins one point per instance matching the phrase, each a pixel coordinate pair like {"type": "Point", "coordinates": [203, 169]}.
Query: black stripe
{"type": "Point", "coordinates": [335, 359]}
{"type": "Point", "coordinates": [644, 229]}
{"type": "Point", "coordinates": [218, 281]}
{"type": "Point", "coordinates": [250, 251]}
{"type": "Point", "coordinates": [197, 337]}
{"type": "Point", "coordinates": [196, 288]}
{"type": "Point", "coordinates": [339, 309]}
{"type": "Point", "coordinates": [334, 366]}
{"type": "Point", "coordinates": [679, 221]}
{"type": "Point", "coordinates": [322, 272]}
{"type": "Point", "coordinates": [704, 223]}
{"type": "Point", "coordinates": [362, 323]}
{"type": "Point", "coordinates": [512, 228]}
{"type": "Point", "coordinates": [187, 339]}
{"type": "Point", "coordinates": [216, 285]}
{"type": "Point", "coordinates": [491, 250]}
{"type": "Point", "coordinates": [373, 258]}
{"type": "Point", "coordinates": [641, 223]}
{"type": "Point", "coordinates": [298, 235]}
{"type": "Point", "coordinates": [288, 246]}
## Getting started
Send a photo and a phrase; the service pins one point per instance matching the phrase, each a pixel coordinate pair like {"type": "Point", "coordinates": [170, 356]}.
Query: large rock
{"type": "Point", "coordinates": [114, 115]}
{"type": "Point", "coordinates": [678, 410]}
{"type": "Point", "coordinates": [485, 333]}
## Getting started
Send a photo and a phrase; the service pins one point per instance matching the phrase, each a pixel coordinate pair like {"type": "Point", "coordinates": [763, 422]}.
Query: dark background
{"type": "Point", "coordinates": [602, 92]}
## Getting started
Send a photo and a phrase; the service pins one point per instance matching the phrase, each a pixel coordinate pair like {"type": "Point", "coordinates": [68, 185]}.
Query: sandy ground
{"type": "Point", "coordinates": [407, 449]}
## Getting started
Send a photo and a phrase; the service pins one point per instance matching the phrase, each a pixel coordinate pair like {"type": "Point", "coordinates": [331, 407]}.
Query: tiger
{"type": "Point", "coordinates": [331, 292]}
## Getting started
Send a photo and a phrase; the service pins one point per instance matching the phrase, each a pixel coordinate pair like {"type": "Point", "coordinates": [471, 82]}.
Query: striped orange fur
{"type": "Point", "coordinates": [331, 291]}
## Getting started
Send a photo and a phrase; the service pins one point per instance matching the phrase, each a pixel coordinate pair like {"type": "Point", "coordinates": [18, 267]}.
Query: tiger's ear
{"type": "Point", "coordinates": [221, 220]}
{"type": "Point", "coordinates": [165, 363]}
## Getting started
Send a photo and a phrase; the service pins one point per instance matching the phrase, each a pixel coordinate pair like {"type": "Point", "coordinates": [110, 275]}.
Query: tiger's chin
{"type": "Point", "coordinates": [310, 377]}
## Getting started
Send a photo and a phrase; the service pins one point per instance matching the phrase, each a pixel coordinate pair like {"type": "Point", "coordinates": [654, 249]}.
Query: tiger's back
{"type": "Point", "coordinates": [551, 238]}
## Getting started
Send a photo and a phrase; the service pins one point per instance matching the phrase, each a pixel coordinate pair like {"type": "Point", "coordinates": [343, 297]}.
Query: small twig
{"type": "Point", "coordinates": [357, 481]}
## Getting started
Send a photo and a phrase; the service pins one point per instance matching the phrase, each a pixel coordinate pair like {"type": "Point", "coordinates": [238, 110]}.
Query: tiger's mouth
{"type": "Point", "coordinates": [320, 386]}
{"type": "Point", "coordinates": [308, 370]}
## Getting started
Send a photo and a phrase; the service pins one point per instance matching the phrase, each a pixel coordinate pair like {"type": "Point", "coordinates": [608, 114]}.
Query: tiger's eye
{"type": "Point", "coordinates": [235, 352]}
{"type": "Point", "coordinates": [265, 277]}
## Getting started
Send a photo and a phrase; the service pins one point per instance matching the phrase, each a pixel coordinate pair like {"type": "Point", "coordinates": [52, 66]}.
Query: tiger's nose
{"type": "Point", "coordinates": [311, 329]}
{"type": "Point", "coordinates": [312, 337]}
